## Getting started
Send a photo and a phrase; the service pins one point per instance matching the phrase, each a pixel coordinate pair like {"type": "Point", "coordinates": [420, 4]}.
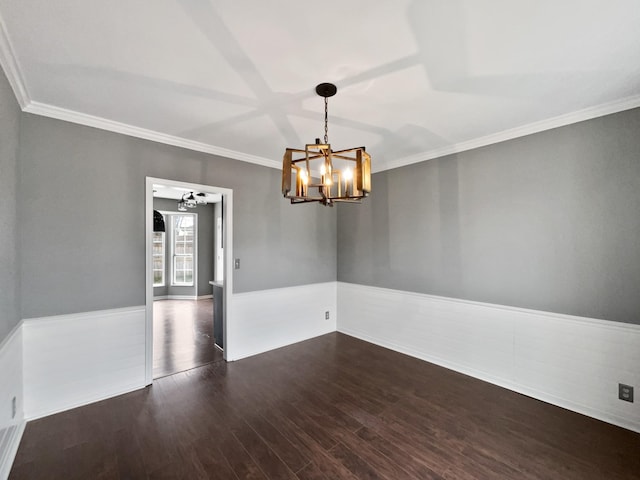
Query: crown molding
{"type": "Point", "coordinates": [11, 67]}
{"type": "Point", "coordinates": [510, 134]}
{"type": "Point", "coordinates": [513, 133]}
{"type": "Point", "coordinates": [72, 116]}
{"type": "Point", "coordinates": [560, 121]}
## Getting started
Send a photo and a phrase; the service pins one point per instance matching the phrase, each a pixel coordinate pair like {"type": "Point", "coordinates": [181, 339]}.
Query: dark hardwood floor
{"type": "Point", "coordinates": [182, 336]}
{"type": "Point", "coordinates": [329, 408]}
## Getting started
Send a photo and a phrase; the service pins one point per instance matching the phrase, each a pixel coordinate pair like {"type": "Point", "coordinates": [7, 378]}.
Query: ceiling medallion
{"type": "Point", "coordinates": [319, 174]}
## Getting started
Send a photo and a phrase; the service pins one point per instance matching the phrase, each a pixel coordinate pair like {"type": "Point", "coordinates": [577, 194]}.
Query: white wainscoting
{"type": "Point", "coordinates": [73, 360]}
{"type": "Point", "coordinates": [573, 362]}
{"type": "Point", "coordinates": [268, 319]}
{"type": "Point", "coordinates": [11, 427]}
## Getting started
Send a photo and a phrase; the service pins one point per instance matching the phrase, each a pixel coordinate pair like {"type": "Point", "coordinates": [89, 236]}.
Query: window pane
{"type": "Point", "coordinates": [179, 263]}
{"type": "Point", "coordinates": [183, 248]}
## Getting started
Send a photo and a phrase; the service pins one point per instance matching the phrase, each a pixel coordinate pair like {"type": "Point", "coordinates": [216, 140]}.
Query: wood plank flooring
{"type": "Point", "coordinates": [182, 336]}
{"type": "Point", "coordinates": [333, 407]}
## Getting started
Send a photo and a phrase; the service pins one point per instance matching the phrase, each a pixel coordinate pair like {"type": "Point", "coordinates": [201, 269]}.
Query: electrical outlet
{"type": "Point", "coordinates": [13, 407]}
{"type": "Point", "coordinates": [236, 264]}
{"type": "Point", "coordinates": [625, 392]}
{"type": "Point", "coordinates": [326, 315]}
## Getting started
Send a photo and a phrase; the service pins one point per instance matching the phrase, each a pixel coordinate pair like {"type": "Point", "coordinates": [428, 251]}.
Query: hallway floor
{"type": "Point", "coordinates": [182, 336]}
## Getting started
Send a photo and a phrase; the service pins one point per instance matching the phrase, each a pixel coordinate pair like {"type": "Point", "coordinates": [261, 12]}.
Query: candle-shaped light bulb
{"type": "Point", "coordinates": [304, 177]}
{"type": "Point", "coordinates": [298, 183]}
{"type": "Point", "coordinates": [348, 175]}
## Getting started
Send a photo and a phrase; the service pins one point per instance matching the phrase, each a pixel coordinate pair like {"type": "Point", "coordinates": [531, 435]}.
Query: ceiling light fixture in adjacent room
{"type": "Point", "coordinates": [189, 200]}
{"type": "Point", "coordinates": [319, 174]}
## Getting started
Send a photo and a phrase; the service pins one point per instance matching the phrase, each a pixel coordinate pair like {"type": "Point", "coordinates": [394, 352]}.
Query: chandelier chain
{"type": "Point", "coordinates": [326, 120]}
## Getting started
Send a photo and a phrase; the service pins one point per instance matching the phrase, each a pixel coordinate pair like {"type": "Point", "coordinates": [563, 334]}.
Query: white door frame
{"type": "Point", "coordinates": [227, 215]}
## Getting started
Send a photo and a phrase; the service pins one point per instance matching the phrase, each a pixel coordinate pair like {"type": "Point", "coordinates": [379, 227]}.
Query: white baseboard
{"type": "Point", "coordinates": [269, 319]}
{"type": "Point", "coordinates": [11, 385]}
{"type": "Point", "coordinates": [73, 360]}
{"type": "Point", "coordinates": [573, 362]}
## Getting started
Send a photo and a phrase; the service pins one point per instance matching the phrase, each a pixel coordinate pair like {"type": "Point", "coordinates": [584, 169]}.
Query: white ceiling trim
{"type": "Point", "coordinates": [531, 128]}
{"type": "Point", "coordinates": [513, 133]}
{"type": "Point", "coordinates": [118, 127]}
{"type": "Point", "coordinates": [10, 65]}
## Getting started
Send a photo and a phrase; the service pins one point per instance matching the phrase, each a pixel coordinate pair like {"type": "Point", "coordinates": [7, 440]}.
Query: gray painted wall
{"type": "Point", "coordinates": [204, 254]}
{"type": "Point", "coordinates": [9, 228]}
{"type": "Point", "coordinates": [550, 221]}
{"type": "Point", "coordinates": [83, 242]}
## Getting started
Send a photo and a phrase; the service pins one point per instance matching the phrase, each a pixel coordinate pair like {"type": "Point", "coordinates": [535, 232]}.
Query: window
{"type": "Point", "coordinates": [158, 259]}
{"type": "Point", "coordinates": [183, 249]}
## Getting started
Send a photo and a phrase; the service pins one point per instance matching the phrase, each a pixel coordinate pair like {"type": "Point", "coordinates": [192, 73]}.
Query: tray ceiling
{"type": "Point", "coordinates": [416, 79]}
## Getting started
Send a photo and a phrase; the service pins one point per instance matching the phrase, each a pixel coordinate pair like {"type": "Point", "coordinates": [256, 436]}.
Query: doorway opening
{"type": "Point", "coordinates": [188, 276]}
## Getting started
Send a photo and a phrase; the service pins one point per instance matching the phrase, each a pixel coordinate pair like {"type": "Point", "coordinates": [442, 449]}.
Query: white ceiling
{"type": "Point", "coordinates": [416, 78]}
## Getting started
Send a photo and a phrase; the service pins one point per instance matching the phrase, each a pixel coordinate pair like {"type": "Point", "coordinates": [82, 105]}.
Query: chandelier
{"type": "Point", "coordinates": [319, 174]}
{"type": "Point", "coordinates": [189, 200]}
